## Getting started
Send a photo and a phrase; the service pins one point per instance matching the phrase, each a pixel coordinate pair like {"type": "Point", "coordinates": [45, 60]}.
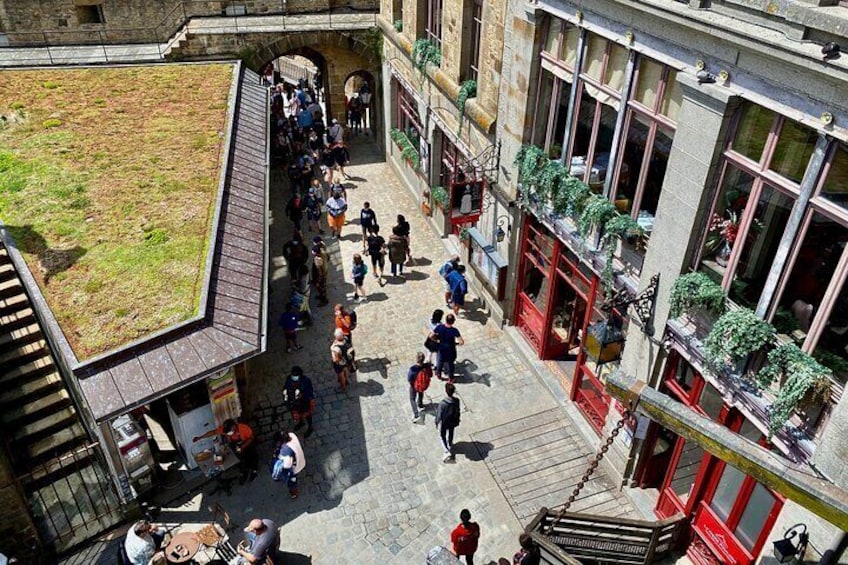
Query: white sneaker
{"type": "Point", "coordinates": [416, 419]}
{"type": "Point", "coordinates": [447, 458]}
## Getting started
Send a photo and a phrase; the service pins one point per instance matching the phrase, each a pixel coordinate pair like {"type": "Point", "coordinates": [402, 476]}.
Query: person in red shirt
{"type": "Point", "coordinates": [465, 537]}
{"type": "Point", "coordinates": [239, 437]}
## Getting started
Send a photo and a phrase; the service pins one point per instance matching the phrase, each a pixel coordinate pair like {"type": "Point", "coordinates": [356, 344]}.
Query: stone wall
{"type": "Point", "coordinates": [56, 22]}
{"type": "Point", "coordinates": [18, 536]}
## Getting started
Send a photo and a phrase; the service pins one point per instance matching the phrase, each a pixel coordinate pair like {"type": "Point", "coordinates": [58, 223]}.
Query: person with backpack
{"type": "Point", "coordinates": [447, 419]}
{"type": "Point", "coordinates": [444, 271]}
{"type": "Point", "coordinates": [418, 377]}
{"type": "Point", "coordinates": [375, 247]}
{"type": "Point", "coordinates": [342, 358]}
{"type": "Point", "coordinates": [465, 537]}
{"type": "Point", "coordinates": [367, 221]}
{"type": "Point", "coordinates": [289, 460]}
{"type": "Point", "coordinates": [458, 286]}
{"type": "Point", "coordinates": [358, 272]}
{"type": "Point", "coordinates": [448, 337]}
{"type": "Point", "coordinates": [312, 203]}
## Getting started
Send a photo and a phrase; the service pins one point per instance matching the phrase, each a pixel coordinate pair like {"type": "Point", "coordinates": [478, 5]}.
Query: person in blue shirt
{"type": "Point", "coordinates": [304, 118]}
{"type": "Point", "coordinates": [458, 287]}
{"type": "Point", "coordinates": [448, 338]}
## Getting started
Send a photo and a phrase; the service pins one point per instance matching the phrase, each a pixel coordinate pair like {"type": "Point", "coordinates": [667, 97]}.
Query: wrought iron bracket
{"type": "Point", "coordinates": [643, 304]}
{"type": "Point", "coordinates": [485, 164]}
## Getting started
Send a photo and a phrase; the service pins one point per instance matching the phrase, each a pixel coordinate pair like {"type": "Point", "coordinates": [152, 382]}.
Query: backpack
{"type": "Point", "coordinates": [451, 417]}
{"type": "Point", "coordinates": [422, 379]}
{"type": "Point", "coordinates": [352, 315]}
{"type": "Point", "coordinates": [279, 471]}
{"type": "Point", "coordinates": [446, 269]}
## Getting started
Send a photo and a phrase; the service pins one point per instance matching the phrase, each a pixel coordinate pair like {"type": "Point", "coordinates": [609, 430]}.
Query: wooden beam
{"type": "Point", "coordinates": [796, 483]}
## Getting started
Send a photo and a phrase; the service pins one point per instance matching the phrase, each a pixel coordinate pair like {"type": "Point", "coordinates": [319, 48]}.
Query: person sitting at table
{"type": "Point", "coordinates": [143, 544]}
{"type": "Point", "coordinates": [265, 541]}
{"type": "Point", "coordinates": [239, 438]}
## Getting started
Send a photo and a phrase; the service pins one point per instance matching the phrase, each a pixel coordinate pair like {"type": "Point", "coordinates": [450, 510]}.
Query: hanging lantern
{"type": "Point", "coordinates": [604, 340]}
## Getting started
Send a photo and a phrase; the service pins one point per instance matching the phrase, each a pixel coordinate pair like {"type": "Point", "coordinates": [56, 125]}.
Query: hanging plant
{"type": "Point", "coordinates": [528, 160]}
{"type": "Point", "coordinates": [398, 26]}
{"type": "Point", "coordinates": [572, 196]}
{"type": "Point", "coordinates": [548, 178]}
{"type": "Point", "coordinates": [439, 195]}
{"type": "Point", "coordinates": [735, 335]}
{"type": "Point", "coordinates": [596, 213]}
{"type": "Point", "coordinates": [408, 151]}
{"type": "Point", "coordinates": [425, 51]}
{"type": "Point", "coordinates": [467, 90]}
{"type": "Point", "coordinates": [620, 226]}
{"type": "Point", "coordinates": [806, 382]}
{"type": "Point", "coordinates": [696, 292]}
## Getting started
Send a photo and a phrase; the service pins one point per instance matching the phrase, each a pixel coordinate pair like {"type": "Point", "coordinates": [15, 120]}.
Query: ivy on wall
{"type": "Point", "coordinates": [467, 90]}
{"type": "Point", "coordinates": [408, 151]}
{"type": "Point", "coordinates": [425, 52]}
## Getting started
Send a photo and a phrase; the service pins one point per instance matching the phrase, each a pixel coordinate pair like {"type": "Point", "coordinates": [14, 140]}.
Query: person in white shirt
{"type": "Point", "coordinates": [142, 544]}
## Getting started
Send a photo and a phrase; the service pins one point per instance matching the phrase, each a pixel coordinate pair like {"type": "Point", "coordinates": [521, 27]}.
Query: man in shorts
{"type": "Point", "coordinates": [265, 542]}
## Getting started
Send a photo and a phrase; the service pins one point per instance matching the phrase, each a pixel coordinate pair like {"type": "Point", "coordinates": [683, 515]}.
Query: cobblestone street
{"type": "Point", "coordinates": [375, 489]}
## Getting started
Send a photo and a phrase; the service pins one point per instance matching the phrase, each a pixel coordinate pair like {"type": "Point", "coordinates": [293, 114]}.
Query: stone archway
{"type": "Point", "coordinates": [342, 54]}
{"type": "Point", "coordinates": [352, 83]}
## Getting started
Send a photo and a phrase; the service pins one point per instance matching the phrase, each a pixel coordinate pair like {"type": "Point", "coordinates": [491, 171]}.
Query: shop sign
{"type": "Point", "coordinates": [720, 540]}
{"type": "Point", "coordinates": [223, 394]}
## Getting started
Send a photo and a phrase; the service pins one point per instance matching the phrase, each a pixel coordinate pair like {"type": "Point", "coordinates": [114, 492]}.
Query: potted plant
{"type": "Point", "coordinates": [736, 335]}
{"type": "Point", "coordinates": [804, 384]}
{"type": "Point", "coordinates": [439, 196]}
{"type": "Point", "coordinates": [700, 298]}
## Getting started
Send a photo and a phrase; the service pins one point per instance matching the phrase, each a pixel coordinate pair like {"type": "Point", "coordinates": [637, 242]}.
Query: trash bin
{"type": "Point", "coordinates": [440, 555]}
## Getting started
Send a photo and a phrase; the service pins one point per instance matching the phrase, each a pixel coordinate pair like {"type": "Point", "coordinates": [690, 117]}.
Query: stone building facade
{"type": "Point", "coordinates": [721, 130]}
{"type": "Point", "coordinates": [71, 22]}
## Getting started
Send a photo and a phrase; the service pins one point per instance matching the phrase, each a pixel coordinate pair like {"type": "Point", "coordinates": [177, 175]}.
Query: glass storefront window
{"type": "Point", "coordinates": [711, 402]}
{"type": "Point", "coordinates": [794, 148]}
{"type": "Point", "coordinates": [835, 186]}
{"type": "Point", "coordinates": [760, 246]}
{"type": "Point", "coordinates": [631, 167]}
{"type": "Point", "coordinates": [755, 124]}
{"type": "Point", "coordinates": [687, 470]}
{"type": "Point", "coordinates": [726, 492]}
{"type": "Point", "coordinates": [536, 283]}
{"type": "Point", "coordinates": [724, 223]}
{"type": "Point", "coordinates": [754, 516]}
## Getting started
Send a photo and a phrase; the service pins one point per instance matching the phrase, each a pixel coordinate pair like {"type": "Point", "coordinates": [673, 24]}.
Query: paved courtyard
{"type": "Point", "coordinates": [375, 489]}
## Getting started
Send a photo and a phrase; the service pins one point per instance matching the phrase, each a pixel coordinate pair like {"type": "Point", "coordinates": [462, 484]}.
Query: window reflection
{"type": "Point", "coordinates": [752, 133]}
{"type": "Point", "coordinates": [724, 223]}
{"type": "Point", "coordinates": [754, 516]}
{"type": "Point", "coordinates": [835, 186]}
{"type": "Point", "coordinates": [726, 492]}
{"type": "Point", "coordinates": [794, 148]}
{"type": "Point", "coordinates": [760, 246]}
{"type": "Point", "coordinates": [832, 349]}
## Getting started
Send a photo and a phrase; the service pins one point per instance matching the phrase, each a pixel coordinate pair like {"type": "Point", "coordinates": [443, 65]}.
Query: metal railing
{"type": "Point", "coordinates": [64, 46]}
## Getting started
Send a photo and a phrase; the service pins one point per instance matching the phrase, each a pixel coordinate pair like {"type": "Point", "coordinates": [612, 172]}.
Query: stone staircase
{"type": "Point", "coordinates": [47, 444]}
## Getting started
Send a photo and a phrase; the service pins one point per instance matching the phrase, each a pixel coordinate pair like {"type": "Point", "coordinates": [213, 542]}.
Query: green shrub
{"type": "Point", "coordinates": [51, 123]}
{"type": "Point", "coordinates": [50, 85]}
{"type": "Point", "coordinates": [735, 335]}
{"type": "Point", "coordinates": [696, 292]}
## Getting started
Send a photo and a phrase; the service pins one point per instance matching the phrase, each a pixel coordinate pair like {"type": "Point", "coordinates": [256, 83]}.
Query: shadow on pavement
{"type": "Point", "coordinates": [373, 364]}
{"type": "Point", "coordinates": [473, 450]}
{"type": "Point", "coordinates": [370, 388]}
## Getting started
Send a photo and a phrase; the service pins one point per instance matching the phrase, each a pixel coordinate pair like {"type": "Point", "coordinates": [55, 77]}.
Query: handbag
{"type": "Point", "coordinates": [431, 345]}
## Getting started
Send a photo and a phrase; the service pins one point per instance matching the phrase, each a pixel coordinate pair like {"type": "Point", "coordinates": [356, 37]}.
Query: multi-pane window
{"type": "Point", "coordinates": [476, 34]}
{"type": "Point", "coordinates": [452, 164]}
{"type": "Point", "coordinates": [766, 176]}
{"type": "Point", "coordinates": [646, 144]}
{"type": "Point", "coordinates": [408, 119]}
{"type": "Point", "coordinates": [433, 31]}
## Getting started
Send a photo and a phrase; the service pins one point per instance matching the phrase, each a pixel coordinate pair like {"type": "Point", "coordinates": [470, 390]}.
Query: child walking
{"type": "Point", "coordinates": [360, 269]}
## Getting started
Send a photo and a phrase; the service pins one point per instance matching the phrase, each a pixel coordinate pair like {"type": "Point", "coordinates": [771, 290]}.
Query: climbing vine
{"type": "Point", "coordinates": [398, 25]}
{"type": "Point", "coordinates": [425, 51]}
{"type": "Point", "coordinates": [408, 151]}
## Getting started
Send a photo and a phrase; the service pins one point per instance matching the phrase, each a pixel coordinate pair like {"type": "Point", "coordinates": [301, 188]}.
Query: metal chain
{"type": "Point", "coordinates": [590, 470]}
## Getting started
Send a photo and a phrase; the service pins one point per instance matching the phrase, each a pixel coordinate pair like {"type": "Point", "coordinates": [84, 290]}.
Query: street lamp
{"type": "Point", "coordinates": [785, 550]}
{"type": "Point", "coordinates": [500, 235]}
{"type": "Point", "coordinates": [605, 340]}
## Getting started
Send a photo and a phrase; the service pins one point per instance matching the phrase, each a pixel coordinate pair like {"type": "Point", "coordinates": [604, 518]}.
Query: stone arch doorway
{"type": "Point", "coordinates": [361, 84]}
{"type": "Point", "coordinates": [338, 55]}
